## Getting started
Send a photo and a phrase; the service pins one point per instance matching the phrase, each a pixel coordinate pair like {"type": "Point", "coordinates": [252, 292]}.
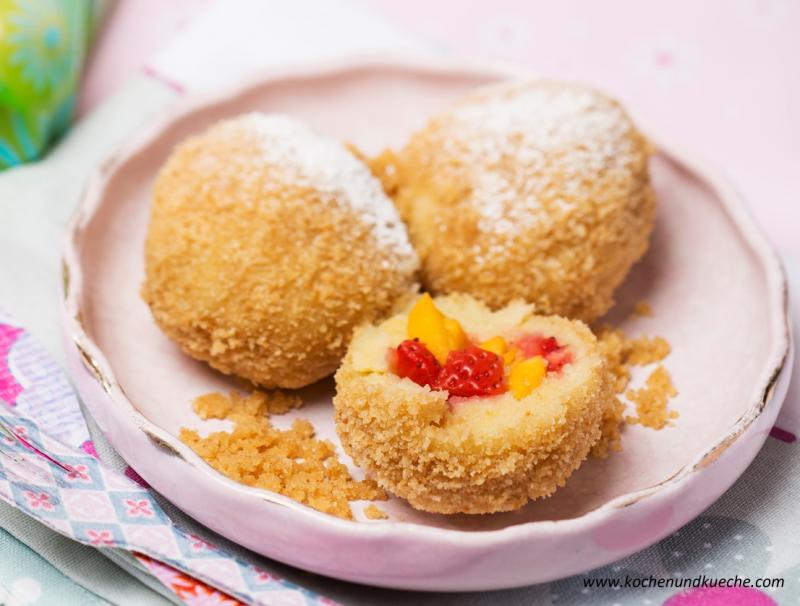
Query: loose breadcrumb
{"type": "Point", "coordinates": [646, 350]}
{"type": "Point", "coordinates": [621, 353]}
{"type": "Point", "coordinates": [281, 402]}
{"type": "Point", "coordinates": [643, 308]}
{"type": "Point", "coordinates": [291, 462]}
{"type": "Point", "coordinates": [651, 401]}
{"type": "Point", "coordinates": [373, 512]}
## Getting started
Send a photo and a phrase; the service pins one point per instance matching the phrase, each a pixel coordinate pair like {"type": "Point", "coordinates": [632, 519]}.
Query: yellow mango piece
{"type": "Point", "coordinates": [424, 319]}
{"type": "Point", "coordinates": [496, 345]}
{"type": "Point", "coordinates": [458, 338]}
{"type": "Point", "coordinates": [499, 346]}
{"type": "Point", "coordinates": [440, 334]}
{"type": "Point", "coordinates": [526, 375]}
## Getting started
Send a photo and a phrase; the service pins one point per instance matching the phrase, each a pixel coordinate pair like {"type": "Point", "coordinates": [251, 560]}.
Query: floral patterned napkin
{"type": "Point", "coordinates": [49, 470]}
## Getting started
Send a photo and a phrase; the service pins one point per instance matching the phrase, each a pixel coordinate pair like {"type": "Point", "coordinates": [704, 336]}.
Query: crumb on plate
{"type": "Point", "coordinates": [643, 308]}
{"type": "Point", "coordinates": [291, 462]}
{"type": "Point", "coordinates": [621, 353]}
{"type": "Point", "coordinates": [373, 512]}
{"type": "Point", "coordinates": [651, 400]}
{"type": "Point", "coordinates": [646, 350]}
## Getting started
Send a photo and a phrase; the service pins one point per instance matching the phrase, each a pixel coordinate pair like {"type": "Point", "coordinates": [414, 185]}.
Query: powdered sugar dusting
{"type": "Point", "coordinates": [531, 150]}
{"type": "Point", "coordinates": [328, 167]}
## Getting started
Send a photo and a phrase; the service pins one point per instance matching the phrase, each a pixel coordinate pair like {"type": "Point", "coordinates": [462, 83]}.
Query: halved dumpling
{"type": "Point", "coordinates": [447, 453]}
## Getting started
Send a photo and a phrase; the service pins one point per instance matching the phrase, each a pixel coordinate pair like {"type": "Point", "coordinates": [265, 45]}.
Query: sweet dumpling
{"type": "Point", "coordinates": [459, 409]}
{"type": "Point", "coordinates": [267, 245]}
{"type": "Point", "coordinates": [536, 190]}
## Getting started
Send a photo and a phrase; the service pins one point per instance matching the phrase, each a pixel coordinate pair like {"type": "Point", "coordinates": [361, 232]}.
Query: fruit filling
{"type": "Point", "coordinates": [439, 354]}
{"type": "Point", "coordinates": [440, 334]}
{"type": "Point", "coordinates": [557, 356]}
{"type": "Point", "coordinates": [472, 372]}
{"type": "Point", "coordinates": [413, 360]}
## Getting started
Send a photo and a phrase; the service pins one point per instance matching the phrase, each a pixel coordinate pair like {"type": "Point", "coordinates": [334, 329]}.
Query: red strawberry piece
{"type": "Point", "coordinates": [472, 372]}
{"type": "Point", "coordinates": [556, 360]}
{"type": "Point", "coordinates": [557, 356]}
{"type": "Point", "coordinates": [413, 360]}
{"type": "Point", "coordinates": [536, 345]}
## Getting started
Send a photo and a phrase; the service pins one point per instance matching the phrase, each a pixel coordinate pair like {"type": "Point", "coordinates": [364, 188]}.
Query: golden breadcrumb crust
{"type": "Point", "coordinates": [291, 462]}
{"type": "Point", "coordinates": [484, 455]}
{"type": "Point", "coordinates": [256, 274]}
{"type": "Point", "coordinates": [590, 211]}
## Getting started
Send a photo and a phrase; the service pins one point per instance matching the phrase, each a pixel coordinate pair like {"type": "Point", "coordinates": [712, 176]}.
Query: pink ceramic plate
{"type": "Point", "coordinates": [717, 291]}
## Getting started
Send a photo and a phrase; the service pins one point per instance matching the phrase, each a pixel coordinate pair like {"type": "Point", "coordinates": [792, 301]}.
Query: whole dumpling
{"type": "Point", "coordinates": [267, 245]}
{"type": "Point", "coordinates": [527, 189]}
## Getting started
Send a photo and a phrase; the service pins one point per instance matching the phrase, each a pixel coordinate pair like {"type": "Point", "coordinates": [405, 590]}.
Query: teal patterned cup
{"type": "Point", "coordinates": [43, 44]}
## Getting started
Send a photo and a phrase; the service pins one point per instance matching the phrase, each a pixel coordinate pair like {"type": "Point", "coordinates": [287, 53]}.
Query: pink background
{"type": "Point", "coordinates": [720, 75]}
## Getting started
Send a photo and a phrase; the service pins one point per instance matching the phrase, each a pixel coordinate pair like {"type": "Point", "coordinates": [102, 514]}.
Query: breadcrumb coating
{"type": "Point", "coordinates": [482, 455]}
{"type": "Point", "coordinates": [267, 245]}
{"type": "Point", "coordinates": [291, 462]}
{"type": "Point", "coordinates": [610, 431]}
{"type": "Point", "coordinates": [614, 346]}
{"type": "Point", "coordinates": [537, 190]}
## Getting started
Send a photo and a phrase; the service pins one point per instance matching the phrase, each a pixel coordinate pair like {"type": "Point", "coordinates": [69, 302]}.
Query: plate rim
{"type": "Point", "coordinates": [101, 370]}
